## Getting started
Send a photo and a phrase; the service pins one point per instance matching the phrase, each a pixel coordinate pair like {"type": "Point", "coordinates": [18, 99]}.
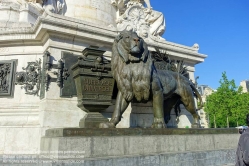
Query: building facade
{"type": "Point", "coordinates": [245, 85]}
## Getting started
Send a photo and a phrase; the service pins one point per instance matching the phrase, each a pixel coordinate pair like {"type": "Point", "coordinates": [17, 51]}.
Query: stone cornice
{"type": "Point", "coordinates": [50, 23]}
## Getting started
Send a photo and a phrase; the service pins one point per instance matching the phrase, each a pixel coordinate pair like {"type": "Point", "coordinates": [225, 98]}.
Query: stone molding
{"type": "Point", "coordinates": [185, 149]}
{"type": "Point", "coordinates": [25, 115]}
{"type": "Point", "coordinates": [49, 23]}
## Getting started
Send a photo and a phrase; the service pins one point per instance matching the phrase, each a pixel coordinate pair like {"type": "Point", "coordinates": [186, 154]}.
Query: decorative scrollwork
{"type": "Point", "coordinates": [62, 73]}
{"type": "Point", "coordinates": [30, 78]}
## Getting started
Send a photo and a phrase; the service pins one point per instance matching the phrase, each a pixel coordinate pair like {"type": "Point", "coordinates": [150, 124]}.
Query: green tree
{"type": "Point", "coordinates": [228, 106]}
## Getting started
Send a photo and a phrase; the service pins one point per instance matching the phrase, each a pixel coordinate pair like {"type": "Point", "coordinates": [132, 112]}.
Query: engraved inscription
{"type": "Point", "coordinates": [96, 82]}
{"type": "Point", "coordinates": [89, 97]}
{"type": "Point", "coordinates": [101, 97]}
{"type": "Point", "coordinates": [94, 85]}
{"type": "Point", "coordinates": [74, 132]}
{"type": "Point", "coordinates": [97, 88]}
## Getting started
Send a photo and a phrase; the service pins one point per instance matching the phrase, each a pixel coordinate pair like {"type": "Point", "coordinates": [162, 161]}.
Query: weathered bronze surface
{"type": "Point", "coordinates": [64, 77]}
{"type": "Point", "coordinates": [94, 85]}
{"type": "Point", "coordinates": [71, 132]}
{"type": "Point", "coordinates": [69, 89]}
{"type": "Point", "coordinates": [138, 79]}
{"type": "Point", "coordinates": [7, 70]}
{"type": "Point", "coordinates": [30, 78]}
{"type": "Point", "coordinates": [93, 80]}
{"type": "Point", "coordinates": [162, 61]}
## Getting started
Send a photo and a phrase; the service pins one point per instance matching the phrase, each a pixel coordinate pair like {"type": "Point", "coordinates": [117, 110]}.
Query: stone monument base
{"type": "Point", "coordinates": [92, 120]}
{"type": "Point", "coordinates": [140, 147]}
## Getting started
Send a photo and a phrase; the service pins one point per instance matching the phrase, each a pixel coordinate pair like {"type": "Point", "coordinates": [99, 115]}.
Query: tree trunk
{"type": "Point", "coordinates": [237, 121]}
{"type": "Point", "coordinates": [227, 122]}
{"type": "Point", "coordinates": [214, 122]}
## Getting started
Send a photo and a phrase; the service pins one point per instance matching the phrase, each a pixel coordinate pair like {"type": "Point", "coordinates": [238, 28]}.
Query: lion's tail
{"type": "Point", "coordinates": [198, 96]}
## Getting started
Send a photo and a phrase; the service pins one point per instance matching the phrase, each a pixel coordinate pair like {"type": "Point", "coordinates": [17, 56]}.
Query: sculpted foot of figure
{"type": "Point", "coordinates": [113, 122]}
{"type": "Point", "coordinates": [159, 123]}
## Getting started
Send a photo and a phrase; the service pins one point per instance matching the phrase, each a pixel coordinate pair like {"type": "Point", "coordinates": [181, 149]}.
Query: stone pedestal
{"type": "Point", "coordinates": [145, 147]}
{"type": "Point", "coordinates": [92, 120]}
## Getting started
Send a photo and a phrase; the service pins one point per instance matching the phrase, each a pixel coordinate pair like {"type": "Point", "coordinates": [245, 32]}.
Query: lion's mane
{"type": "Point", "coordinates": [132, 73]}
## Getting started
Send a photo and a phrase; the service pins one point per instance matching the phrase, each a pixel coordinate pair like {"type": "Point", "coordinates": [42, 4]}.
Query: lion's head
{"type": "Point", "coordinates": [131, 47]}
{"type": "Point", "coordinates": [131, 66]}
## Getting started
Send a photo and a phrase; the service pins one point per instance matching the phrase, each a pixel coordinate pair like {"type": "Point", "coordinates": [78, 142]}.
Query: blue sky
{"type": "Point", "coordinates": [220, 27]}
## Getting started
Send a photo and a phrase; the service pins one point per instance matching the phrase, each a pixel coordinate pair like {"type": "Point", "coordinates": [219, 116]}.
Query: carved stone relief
{"type": "Point", "coordinates": [134, 16]}
{"type": "Point", "coordinates": [55, 6]}
{"type": "Point", "coordinates": [6, 78]}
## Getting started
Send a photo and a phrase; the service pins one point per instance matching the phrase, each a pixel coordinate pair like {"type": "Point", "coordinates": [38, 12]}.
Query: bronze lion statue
{"type": "Point", "coordinates": [138, 79]}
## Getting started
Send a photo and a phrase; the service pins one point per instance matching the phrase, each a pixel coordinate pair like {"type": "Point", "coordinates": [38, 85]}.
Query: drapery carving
{"type": "Point", "coordinates": [55, 6]}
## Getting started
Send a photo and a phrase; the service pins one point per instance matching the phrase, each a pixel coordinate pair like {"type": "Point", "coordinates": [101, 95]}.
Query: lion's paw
{"type": "Point", "coordinates": [128, 96]}
{"type": "Point", "coordinates": [159, 123]}
{"type": "Point", "coordinates": [106, 125]}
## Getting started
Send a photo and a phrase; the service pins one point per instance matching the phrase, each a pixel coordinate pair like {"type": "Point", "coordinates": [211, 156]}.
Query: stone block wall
{"type": "Point", "coordinates": [146, 150]}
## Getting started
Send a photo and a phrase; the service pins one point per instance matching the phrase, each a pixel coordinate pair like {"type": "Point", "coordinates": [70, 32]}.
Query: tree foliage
{"type": "Point", "coordinates": [228, 106]}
